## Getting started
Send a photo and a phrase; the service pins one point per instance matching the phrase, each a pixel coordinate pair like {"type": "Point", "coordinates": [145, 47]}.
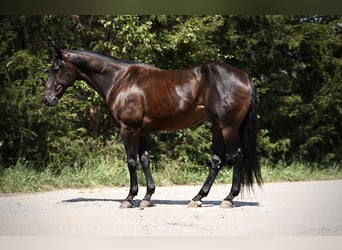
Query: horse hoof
{"type": "Point", "coordinates": [193, 203]}
{"type": "Point", "coordinates": [226, 204]}
{"type": "Point", "coordinates": [126, 204]}
{"type": "Point", "coordinates": [145, 203]}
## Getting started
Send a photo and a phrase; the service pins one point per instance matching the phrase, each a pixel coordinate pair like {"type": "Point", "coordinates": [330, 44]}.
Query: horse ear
{"type": "Point", "coordinates": [57, 53]}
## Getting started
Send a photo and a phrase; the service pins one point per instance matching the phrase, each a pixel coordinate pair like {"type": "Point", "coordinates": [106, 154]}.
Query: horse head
{"type": "Point", "coordinates": [62, 75]}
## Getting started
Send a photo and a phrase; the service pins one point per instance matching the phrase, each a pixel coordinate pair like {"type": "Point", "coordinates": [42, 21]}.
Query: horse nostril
{"type": "Point", "coordinates": [54, 101]}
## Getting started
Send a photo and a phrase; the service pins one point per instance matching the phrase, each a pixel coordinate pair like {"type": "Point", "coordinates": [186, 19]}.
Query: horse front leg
{"type": "Point", "coordinates": [130, 139]}
{"type": "Point", "coordinates": [145, 163]}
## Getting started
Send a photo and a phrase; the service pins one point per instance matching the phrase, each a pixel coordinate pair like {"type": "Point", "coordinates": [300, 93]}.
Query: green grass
{"type": "Point", "coordinates": [298, 171]}
{"type": "Point", "coordinates": [99, 172]}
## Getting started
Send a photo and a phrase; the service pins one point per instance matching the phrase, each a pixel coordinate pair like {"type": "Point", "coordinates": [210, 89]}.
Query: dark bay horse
{"type": "Point", "coordinates": [143, 99]}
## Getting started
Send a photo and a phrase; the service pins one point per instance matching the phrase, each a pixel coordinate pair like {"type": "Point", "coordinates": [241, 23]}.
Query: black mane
{"type": "Point", "coordinates": [106, 57]}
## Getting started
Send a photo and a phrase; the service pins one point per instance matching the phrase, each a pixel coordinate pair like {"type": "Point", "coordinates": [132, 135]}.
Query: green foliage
{"type": "Point", "coordinates": [22, 112]}
{"type": "Point", "coordinates": [190, 147]}
{"type": "Point", "coordinates": [294, 60]}
{"type": "Point", "coordinates": [191, 41]}
{"type": "Point", "coordinates": [133, 39]}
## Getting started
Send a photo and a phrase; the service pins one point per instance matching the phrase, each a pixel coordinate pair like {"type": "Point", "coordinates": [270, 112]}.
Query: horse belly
{"type": "Point", "coordinates": [178, 121]}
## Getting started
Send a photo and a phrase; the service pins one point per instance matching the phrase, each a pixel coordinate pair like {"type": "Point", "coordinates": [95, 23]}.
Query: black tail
{"type": "Point", "coordinates": [248, 135]}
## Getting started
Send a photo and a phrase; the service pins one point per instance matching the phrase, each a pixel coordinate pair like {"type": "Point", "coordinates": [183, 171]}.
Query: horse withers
{"type": "Point", "coordinates": [142, 99]}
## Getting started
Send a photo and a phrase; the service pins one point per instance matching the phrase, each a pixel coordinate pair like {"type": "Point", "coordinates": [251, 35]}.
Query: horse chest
{"type": "Point", "coordinates": [128, 109]}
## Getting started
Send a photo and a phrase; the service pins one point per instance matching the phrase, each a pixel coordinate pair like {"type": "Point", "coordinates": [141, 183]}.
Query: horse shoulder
{"type": "Point", "coordinates": [127, 107]}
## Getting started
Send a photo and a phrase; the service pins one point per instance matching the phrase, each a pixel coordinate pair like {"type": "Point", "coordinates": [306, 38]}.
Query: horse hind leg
{"type": "Point", "coordinates": [225, 139]}
{"type": "Point", "coordinates": [232, 139]}
{"type": "Point", "coordinates": [218, 160]}
{"type": "Point", "coordinates": [236, 184]}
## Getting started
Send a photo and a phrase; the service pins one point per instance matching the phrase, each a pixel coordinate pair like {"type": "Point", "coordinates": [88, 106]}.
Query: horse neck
{"type": "Point", "coordinates": [98, 73]}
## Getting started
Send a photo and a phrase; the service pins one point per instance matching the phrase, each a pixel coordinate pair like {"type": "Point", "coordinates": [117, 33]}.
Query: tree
{"type": "Point", "coordinates": [294, 60]}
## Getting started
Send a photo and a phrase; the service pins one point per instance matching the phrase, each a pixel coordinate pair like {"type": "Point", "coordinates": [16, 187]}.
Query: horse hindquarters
{"type": "Point", "coordinates": [245, 162]}
{"type": "Point", "coordinates": [230, 99]}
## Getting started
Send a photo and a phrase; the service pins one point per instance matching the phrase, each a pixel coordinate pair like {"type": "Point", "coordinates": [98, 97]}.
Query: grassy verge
{"type": "Point", "coordinates": [105, 172]}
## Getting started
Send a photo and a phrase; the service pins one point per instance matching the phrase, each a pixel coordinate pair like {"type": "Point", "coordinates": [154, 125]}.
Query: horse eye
{"type": "Point", "coordinates": [55, 70]}
{"type": "Point", "coordinates": [59, 87]}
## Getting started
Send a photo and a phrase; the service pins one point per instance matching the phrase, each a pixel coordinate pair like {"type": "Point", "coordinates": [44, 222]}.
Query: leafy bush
{"type": "Point", "coordinates": [294, 60]}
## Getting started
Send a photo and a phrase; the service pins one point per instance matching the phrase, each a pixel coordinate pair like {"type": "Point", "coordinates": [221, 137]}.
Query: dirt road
{"type": "Point", "coordinates": [301, 208]}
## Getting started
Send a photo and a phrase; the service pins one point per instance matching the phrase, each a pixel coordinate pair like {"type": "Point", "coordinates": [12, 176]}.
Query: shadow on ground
{"type": "Point", "coordinates": [165, 202]}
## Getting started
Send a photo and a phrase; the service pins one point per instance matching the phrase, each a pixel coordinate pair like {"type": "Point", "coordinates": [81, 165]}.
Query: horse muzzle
{"type": "Point", "coordinates": [51, 102]}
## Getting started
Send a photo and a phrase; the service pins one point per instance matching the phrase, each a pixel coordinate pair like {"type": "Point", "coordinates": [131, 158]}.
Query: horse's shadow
{"type": "Point", "coordinates": [165, 202]}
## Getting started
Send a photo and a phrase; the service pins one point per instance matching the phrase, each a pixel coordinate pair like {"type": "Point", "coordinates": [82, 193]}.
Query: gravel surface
{"type": "Point", "coordinates": [278, 209]}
